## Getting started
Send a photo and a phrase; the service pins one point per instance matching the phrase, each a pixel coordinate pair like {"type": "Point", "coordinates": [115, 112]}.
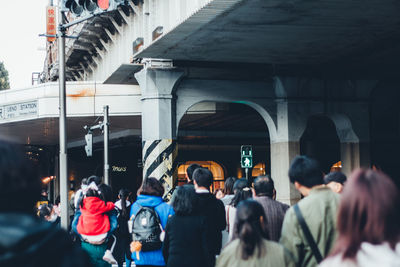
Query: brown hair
{"type": "Point", "coordinates": [152, 187]}
{"type": "Point", "coordinates": [367, 212]}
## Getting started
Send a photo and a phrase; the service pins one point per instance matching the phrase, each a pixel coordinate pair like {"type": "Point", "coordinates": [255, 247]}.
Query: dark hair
{"type": "Point", "coordinates": [91, 193]}
{"type": "Point", "coordinates": [190, 170]}
{"type": "Point", "coordinates": [249, 229]}
{"type": "Point", "coordinates": [96, 179]}
{"type": "Point", "coordinates": [264, 186]}
{"type": "Point", "coordinates": [305, 171]}
{"type": "Point", "coordinates": [228, 187]}
{"type": "Point", "coordinates": [123, 195]}
{"type": "Point", "coordinates": [240, 184]}
{"type": "Point", "coordinates": [45, 210]}
{"type": "Point", "coordinates": [185, 200]}
{"type": "Point", "coordinates": [19, 180]}
{"type": "Point", "coordinates": [240, 195]}
{"type": "Point", "coordinates": [368, 212]}
{"type": "Point", "coordinates": [152, 187]}
{"type": "Point", "coordinates": [203, 177]}
{"type": "Point", "coordinates": [106, 192]}
{"type": "Point", "coordinates": [337, 177]}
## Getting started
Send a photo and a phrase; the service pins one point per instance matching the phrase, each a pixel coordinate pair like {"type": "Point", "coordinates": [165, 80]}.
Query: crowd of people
{"type": "Point", "coordinates": [338, 222]}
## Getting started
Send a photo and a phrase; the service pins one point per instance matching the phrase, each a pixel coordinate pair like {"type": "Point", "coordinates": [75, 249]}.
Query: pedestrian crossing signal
{"type": "Point", "coordinates": [246, 154]}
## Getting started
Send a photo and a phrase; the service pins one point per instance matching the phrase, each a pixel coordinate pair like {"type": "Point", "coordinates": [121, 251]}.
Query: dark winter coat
{"type": "Point", "coordinates": [187, 242]}
{"type": "Point", "coordinates": [214, 211]}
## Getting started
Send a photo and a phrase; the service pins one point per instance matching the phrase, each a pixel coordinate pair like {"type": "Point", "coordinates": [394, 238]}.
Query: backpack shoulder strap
{"type": "Point", "coordinates": [307, 234]}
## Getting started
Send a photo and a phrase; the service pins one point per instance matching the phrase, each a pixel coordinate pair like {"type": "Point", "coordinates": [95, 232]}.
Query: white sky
{"type": "Point", "coordinates": [20, 24]}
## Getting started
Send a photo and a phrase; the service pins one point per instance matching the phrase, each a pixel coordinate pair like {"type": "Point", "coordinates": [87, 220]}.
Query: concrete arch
{"type": "Point", "coordinates": [182, 109]}
{"type": "Point", "coordinates": [344, 128]}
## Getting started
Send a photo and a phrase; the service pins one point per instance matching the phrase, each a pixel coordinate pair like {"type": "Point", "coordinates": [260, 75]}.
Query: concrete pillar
{"type": "Point", "coordinates": [282, 154]}
{"type": "Point", "coordinates": [291, 123]}
{"type": "Point", "coordinates": [159, 123]}
{"type": "Point", "coordinates": [354, 140]}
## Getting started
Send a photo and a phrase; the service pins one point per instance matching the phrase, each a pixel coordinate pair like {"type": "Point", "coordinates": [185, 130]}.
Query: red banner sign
{"type": "Point", "coordinates": [103, 4]}
{"type": "Point", "coordinates": [51, 24]}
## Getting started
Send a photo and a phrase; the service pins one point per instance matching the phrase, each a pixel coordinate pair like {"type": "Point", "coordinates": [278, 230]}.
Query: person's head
{"type": "Point", "coordinates": [19, 180]}
{"type": "Point", "coordinates": [106, 192]}
{"type": "Point", "coordinates": [43, 193]}
{"type": "Point", "coordinates": [95, 179]}
{"type": "Point", "coordinates": [368, 212]}
{"type": "Point", "coordinates": [203, 178]}
{"type": "Point", "coordinates": [190, 170]}
{"type": "Point", "coordinates": [335, 181]}
{"type": "Point", "coordinates": [228, 187]}
{"type": "Point", "coordinates": [249, 228]}
{"type": "Point", "coordinates": [84, 183]}
{"type": "Point", "coordinates": [46, 212]}
{"type": "Point", "coordinates": [91, 191]}
{"type": "Point", "coordinates": [219, 193]}
{"type": "Point", "coordinates": [264, 186]}
{"type": "Point", "coordinates": [151, 187]}
{"type": "Point", "coordinates": [241, 194]}
{"type": "Point", "coordinates": [305, 173]}
{"type": "Point", "coordinates": [185, 200]}
{"type": "Point", "coordinates": [240, 184]}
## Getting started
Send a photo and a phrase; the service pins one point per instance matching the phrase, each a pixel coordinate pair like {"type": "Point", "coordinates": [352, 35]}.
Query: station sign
{"type": "Point", "coordinates": [51, 24]}
{"type": "Point", "coordinates": [19, 110]}
{"type": "Point", "coordinates": [246, 155]}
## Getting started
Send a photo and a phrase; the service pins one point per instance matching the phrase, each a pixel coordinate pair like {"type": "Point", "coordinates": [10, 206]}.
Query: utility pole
{"type": "Point", "coordinates": [106, 132]}
{"type": "Point", "coordinates": [62, 122]}
{"type": "Point", "coordinates": [105, 127]}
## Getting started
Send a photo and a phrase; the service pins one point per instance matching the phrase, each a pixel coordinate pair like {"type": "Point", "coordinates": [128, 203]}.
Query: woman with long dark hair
{"type": "Point", "coordinates": [368, 222]}
{"type": "Point", "coordinates": [186, 242]}
{"type": "Point", "coordinates": [242, 192]}
{"type": "Point", "coordinates": [252, 248]}
{"type": "Point", "coordinates": [122, 251]}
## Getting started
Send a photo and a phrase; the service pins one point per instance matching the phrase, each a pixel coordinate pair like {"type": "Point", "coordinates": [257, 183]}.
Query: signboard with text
{"type": "Point", "coordinates": [51, 27]}
{"type": "Point", "coordinates": [20, 110]}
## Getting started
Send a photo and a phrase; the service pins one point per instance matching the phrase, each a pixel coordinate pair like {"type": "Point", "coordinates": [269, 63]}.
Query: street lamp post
{"type": "Point", "coordinates": [62, 123]}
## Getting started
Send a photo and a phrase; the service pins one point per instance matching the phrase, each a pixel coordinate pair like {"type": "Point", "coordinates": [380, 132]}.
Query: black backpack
{"type": "Point", "coordinates": [146, 228]}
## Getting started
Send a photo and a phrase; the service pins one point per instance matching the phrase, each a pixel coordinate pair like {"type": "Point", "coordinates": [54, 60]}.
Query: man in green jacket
{"type": "Point", "coordinates": [318, 208]}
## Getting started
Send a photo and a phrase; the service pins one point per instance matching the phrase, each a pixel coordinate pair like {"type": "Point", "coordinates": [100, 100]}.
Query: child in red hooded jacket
{"type": "Point", "coordinates": [94, 223]}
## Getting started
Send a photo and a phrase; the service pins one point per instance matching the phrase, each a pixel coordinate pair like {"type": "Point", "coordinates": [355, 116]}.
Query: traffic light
{"type": "Point", "coordinates": [89, 144]}
{"type": "Point", "coordinates": [84, 7]}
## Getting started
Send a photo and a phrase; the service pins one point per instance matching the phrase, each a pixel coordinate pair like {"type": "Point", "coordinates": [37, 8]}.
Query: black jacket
{"type": "Point", "coordinates": [186, 242]}
{"type": "Point", "coordinates": [27, 241]}
{"type": "Point", "coordinates": [214, 211]}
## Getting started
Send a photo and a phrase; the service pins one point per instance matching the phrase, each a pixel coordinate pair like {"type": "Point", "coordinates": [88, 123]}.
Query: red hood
{"type": "Point", "coordinates": [94, 204]}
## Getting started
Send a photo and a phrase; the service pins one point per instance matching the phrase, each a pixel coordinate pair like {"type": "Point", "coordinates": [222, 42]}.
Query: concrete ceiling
{"type": "Point", "coordinates": [288, 32]}
{"type": "Point", "coordinates": [45, 131]}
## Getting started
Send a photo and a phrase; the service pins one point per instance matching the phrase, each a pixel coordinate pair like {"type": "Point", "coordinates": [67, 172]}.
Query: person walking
{"type": "Point", "coordinates": [368, 223]}
{"type": "Point", "coordinates": [252, 247]}
{"type": "Point", "coordinates": [210, 207]}
{"type": "Point", "coordinates": [242, 192]}
{"type": "Point", "coordinates": [94, 226]}
{"type": "Point", "coordinates": [309, 227]}
{"type": "Point", "coordinates": [122, 247]}
{"type": "Point", "coordinates": [264, 191]}
{"type": "Point", "coordinates": [149, 208]}
{"type": "Point", "coordinates": [186, 241]}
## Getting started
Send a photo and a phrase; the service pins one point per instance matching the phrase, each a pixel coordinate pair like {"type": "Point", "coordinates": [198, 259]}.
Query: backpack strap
{"type": "Point", "coordinates": [307, 234]}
